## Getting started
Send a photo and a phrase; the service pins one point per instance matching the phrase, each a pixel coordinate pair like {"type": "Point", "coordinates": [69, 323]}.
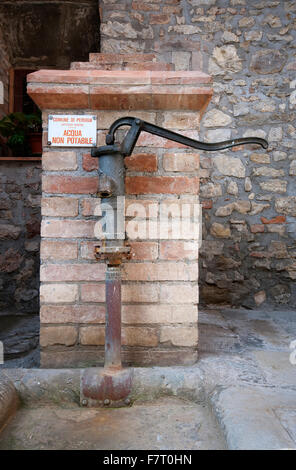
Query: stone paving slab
{"type": "Point", "coordinates": [256, 418]}
{"type": "Point", "coordinates": [276, 366]}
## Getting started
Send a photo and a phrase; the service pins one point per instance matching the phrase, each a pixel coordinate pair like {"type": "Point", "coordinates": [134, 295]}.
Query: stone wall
{"type": "Point", "coordinates": [19, 235]}
{"type": "Point", "coordinates": [249, 253]}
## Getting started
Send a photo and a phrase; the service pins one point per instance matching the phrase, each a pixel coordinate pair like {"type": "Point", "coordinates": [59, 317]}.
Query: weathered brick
{"type": "Point", "coordinates": [91, 207]}
{"type": "Point", "coordinates": [131, 336]}
{"type": "Point", "coordinates": [144, 250]}
{"type": "Point", "coordinates": [87, 250]}
{"type": "Point", "coordinates": [92, 335]}
{"type": "Point", "coordinates": [54, 335]}
{"type": "Point", "coordinates": [141, 162]}
{"type": "Point", "coordinates": [181, 120]}
{"type": "Point", "coordinates": [174, 10]}
{"type": "Point", "coordinates": [141, 229]}
{"type": "Point", "coordinates": [56, 250]}
{"type": "Point", "coordinates": [68, 228]}
{"type": "Point", "coordinates": [280, 219]}
{"type": "Point", "coordinates": [139, 336]}
{"type": "Point", "coordinates": [89, 163]}
{"type": "Point", "coordinates": [161, 185]}
{"type": "Point", "coordinates": [207, 205]}
{"type": "Point", "coordinates": [257, 228]}
{"type": "Point", "coordinates": [148, 140]}
{"type": "Point", "coordinates": [137, 292]}
{"type": "Point", "coordinates": [93, 292]}
{"type": "Point", "coordinates": [59, 184]}
{"type": "Point", "coordinates": [48, 96]}
{"type": "Point", "coordinates": [162, 18]}
{"type": "Point", "coordinates": [72, 272]}
{"type": "Point", "coordinates": [59, 161]}
{"type": "Point", "coordinates": [179, 336]}
{"type": "Point", "coordinates": [141, 208]}
{"type": "Point", "coordinates": [143, 6]}
{"type": "Point", "coordinates": [186, 207]}
{"type": "Point", "coordinates": [179, 293]}
{"type": "Point", "coordinates": [106, 117]}
{"type": "Point", "coordinates": [59, 207]}
{"type": "Point", "coordinates": [178, 250]}
{"type": "Point", "coordinates": [113, 58]}
{"type": "Point", "coordinates": [169, 271]}
{"type": "Point", "coordinates": [181, 162]}
{"type": "Point", "coordinates": [137, 356]}
{"type": "Point", "coordinates": [58, 293]}
{"type": "Point", "coordinates": [90, 313]}
{"type": "Point", "coordinates": [137, 314]}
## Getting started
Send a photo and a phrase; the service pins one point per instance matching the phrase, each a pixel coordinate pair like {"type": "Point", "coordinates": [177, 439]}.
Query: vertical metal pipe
{"type": "Point", "coordinates": [111, 186]}
{"type": "Point", "coordinates": [113, 318]}
{"type": "Point", "coordinates": [112, 167]}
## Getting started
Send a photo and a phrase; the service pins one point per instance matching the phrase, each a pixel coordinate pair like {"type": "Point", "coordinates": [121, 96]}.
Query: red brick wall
{"type": "Point", "coordinates": [160, 290]}
{"type": "Point", "coordinates": [160, 282]}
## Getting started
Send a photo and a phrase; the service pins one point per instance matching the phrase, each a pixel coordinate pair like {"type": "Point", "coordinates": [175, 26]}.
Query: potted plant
{"type": "Point", "coordinates": [18, 129]}
{"type": "Point", "coordinates": [34, 133]}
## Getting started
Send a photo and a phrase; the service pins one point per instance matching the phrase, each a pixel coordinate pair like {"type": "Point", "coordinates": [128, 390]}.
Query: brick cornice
{"type": "Point", "coordinates": [120, 89]}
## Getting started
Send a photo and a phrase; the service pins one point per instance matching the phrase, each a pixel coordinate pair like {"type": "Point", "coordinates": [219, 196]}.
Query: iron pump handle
{"type": "Point", "coordinates": [137, 126]}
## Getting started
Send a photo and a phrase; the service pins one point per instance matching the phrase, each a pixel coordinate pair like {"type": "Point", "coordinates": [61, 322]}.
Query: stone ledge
{"type": "Point", "coordinates": [62, 386]}
{"type": "Point", "coordinates": [120, 89]}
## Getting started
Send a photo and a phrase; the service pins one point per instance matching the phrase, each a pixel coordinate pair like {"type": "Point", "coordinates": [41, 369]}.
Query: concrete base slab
{"type": "Point", "coordinates": [256, 419]}
{"type": "Point", "coordinates": [62, 386]}
{"type": "Point", "coordinates": [167, 423]}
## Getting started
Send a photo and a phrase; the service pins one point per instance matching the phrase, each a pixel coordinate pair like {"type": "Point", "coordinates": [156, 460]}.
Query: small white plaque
{"type": "Point", "coordinates": [72, 130]}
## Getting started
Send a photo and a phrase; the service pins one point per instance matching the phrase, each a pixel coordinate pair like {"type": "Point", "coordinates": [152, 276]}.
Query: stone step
{"type": "Point", "coordinates": [98, 58]}
{"type": "Point", "coordinates": [153, 66]}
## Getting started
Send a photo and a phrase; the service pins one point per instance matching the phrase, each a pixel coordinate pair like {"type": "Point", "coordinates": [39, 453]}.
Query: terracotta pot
{"type": "Point", "coordinates": [35, 142]}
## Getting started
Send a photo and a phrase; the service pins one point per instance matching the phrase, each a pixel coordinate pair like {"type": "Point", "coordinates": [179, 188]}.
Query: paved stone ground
{"type": "Point", "coordinates": [246, 361]}
{"type": "Point", "coordinates": [244, 382]}
{"type": "Point", "coordinates": [166, 424]}
{"type": "Point", "coordinates": [20, 337]}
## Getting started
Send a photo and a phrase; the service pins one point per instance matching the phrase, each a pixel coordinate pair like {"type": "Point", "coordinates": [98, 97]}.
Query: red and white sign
{"type": "Point", "coordinates": [72, 130]}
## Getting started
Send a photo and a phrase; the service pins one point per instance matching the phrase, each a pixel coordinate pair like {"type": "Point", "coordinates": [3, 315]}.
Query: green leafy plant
{"type": "Point", "coordinates": [15, 127]}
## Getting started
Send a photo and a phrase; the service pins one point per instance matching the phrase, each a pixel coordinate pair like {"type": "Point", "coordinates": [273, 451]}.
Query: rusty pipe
{"type": "Point", "coordinates": [113, 318]}
{"type": "Point", "coordinates": [106, 186]}
{"type": "Point", "coordinates": [111, 385]}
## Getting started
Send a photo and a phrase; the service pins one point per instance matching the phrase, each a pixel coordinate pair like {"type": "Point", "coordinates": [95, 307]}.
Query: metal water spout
{"type": "Point", "coordinates": [111, 386]}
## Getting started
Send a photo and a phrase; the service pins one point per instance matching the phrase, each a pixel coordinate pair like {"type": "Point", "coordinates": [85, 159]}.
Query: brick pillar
{"type": "Point", "coordinates": [160, 287]}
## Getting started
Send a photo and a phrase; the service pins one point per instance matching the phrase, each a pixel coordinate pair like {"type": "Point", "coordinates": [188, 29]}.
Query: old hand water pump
{"type": "Point", "coordinates": [111, 386]}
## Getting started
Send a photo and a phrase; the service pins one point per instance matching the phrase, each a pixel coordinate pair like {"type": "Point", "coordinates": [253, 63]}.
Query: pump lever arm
{"type": "Point", "coordinates": [137, 126]}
